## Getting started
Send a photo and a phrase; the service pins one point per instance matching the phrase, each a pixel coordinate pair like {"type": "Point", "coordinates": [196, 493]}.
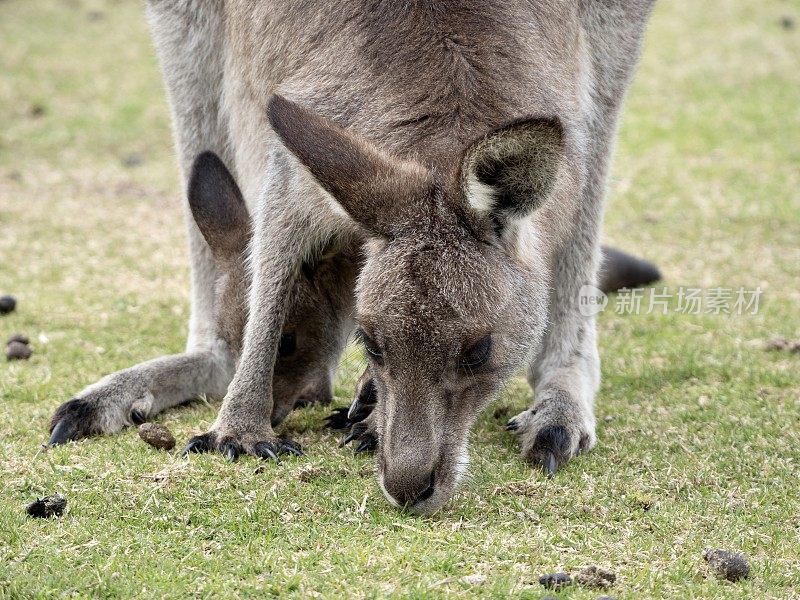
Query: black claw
{"type": "Point", "coordinates": [338, 419]}
{"type": "Point", "coordinates": [63, 432]}
{"type": "Point", "coordinates": [266, 451]}
{"type": "Point", "coordinates": [549, 464]}
{"type": "Point", "coordinates": [552, 447]}
{"type": "Point", "coordinates": [230, 449]}
{"type": "Point", "coordinates": [356, 431]}
{"type": "Point", "coordinates": [368, 444]}
{"type": "Point", "coordinates": [351, 435]}
{"type": "Point", "coordinates": [358, 411]}
{"type": "Point", "coordinates": [512, 425]}
{"type": "Point", "coordinates": [364, 402]}
{"type": "Point", "coordinates": [290, 447]}
{"type": "Point", "coordinates": [138, 417]}
{"type": "Point", "coordinates": [198, 445]}
{"type": "Point", "coordinates": [72, 421]}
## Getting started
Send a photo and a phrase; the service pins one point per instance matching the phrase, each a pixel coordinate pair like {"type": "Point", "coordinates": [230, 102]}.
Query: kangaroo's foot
{"type": "Point", "coordinates": [363, 435]}
{"type": "Point", "coordinates": [134, 395]}
{"type": "Point", "coordinates": [358, 419]}
{"type": "Point", "coordinates": [556, 429]}
{"type": "Point", "coordinates": [234, 444]}
{"type": "Point", "coordinates": [243, 426]}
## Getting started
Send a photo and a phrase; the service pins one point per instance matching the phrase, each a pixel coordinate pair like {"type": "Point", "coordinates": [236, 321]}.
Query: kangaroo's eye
{"type": "Point", "coordinates": [477, 355]}
{"type": "Point", "coordinates": [371, 348]}
{"type": "Point", "coordinates": [287, 345]}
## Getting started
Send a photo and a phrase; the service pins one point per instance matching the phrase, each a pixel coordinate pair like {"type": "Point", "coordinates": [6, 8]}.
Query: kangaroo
{"type": "Point", "coordinates": [320, 320]}
{"type": "Point", "coordinates": [465, 146]}
{"type": "Point", "coordinates": [315, 331]}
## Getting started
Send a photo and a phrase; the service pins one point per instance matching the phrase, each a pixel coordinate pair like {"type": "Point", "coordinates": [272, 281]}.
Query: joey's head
{"type": "Point", "coordinates": [319, 319]}
{"type": "Point", "coordinates": [452, 298]}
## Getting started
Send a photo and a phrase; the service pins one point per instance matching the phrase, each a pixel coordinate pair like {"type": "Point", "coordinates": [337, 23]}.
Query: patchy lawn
{"type": "Point", "coordinates": [699, 427]}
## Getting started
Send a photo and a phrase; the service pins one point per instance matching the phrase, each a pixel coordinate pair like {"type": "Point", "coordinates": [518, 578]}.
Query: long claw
{"type": "Point", "coordinates": [74, 420]}
{"type": "Point", "coordinates": [368, 444]}
{"type": "Point", "coordinates": [62, 433]}
{"type": "Point", "coordinates": [352, 434]}
{"type": "Point", "coordinates": [338, 419]}
{"type": "Point", "coordinates": [355, 432]}
{"type": "Point", "coordinates": [265, 451]}
{"type": "Point", "coordinates": [286, 446]}
{"type": "Point", "coordinates": [364, 403]}
{"type": "Point", "coordinates": [230, 450]}
{"type": "Point", "coordinates": [549, 463]}
{"type": "Point", "coordinates": [138, 417]}
{"type": "Point", "coordinates": [197, 445]}
{"type": "Point", "coordinates": [512, 425]}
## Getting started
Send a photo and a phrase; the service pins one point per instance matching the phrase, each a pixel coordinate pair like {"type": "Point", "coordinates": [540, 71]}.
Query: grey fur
{"type": "Point", "coordinates": [391, 108]}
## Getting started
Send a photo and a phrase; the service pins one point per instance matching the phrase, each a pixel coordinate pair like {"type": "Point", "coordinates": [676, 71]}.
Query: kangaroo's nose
{"type": "Point", "coordinates": [407, 491]}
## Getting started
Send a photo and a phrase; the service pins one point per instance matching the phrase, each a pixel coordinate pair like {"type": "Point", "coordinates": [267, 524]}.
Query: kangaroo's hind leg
{"type": "Point", "coordinates": [188, 36]}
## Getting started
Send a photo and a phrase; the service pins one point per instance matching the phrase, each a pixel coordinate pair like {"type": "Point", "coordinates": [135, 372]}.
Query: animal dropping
{"type": "Point", "coordinates": [18, 351]}
{"type": "Point", "coordinates": [597, 577]}
{"type": "Point", "coordinates": [725, 564]}
{"type": "Point", "coordinates": [555, 581]}
{"type": "Point", "coordinates": [157, 436]}
{"type": "Point", "coordinates": [7, 304]}
{"type": "Point", "coordinates": [49, 506]}
{"type": "Point", "coordinates": [19, 337]}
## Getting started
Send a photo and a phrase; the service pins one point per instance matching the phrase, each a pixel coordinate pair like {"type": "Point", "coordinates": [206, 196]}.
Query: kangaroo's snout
{"type": "Point", "coordinates": [409, 488]}
{"type": "Point", "coordinates": [409, 456]}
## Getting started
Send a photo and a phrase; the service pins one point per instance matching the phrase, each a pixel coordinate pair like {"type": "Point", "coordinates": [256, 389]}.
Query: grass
{"type": "Point", "coordinates": [699, 428]}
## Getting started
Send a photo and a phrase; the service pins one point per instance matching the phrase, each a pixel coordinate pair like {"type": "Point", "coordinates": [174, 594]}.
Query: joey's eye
{"type": "Point", "coordinates": [477, 355]}
{"type": "Point", "coordinates": [287, 345]}
{"type": "Point", "coordinates": [371, 348]}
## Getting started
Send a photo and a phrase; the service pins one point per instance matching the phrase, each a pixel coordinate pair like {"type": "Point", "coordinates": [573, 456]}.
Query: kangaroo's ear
{"type": "Point", "coordinates": [507, 174]}
{"type": "Point", "coordinates": [218, 207]}
{"type": "Point", "coordinates": [371, 186]}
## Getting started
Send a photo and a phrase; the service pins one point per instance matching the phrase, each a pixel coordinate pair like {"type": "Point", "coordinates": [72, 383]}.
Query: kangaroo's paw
{"type": "Point", "coordinates": [109, 405]}
{"type": "Point", "coordinates": [364, 401]}
{"type": "Point", "coordinates": [133, 396]}
{"type": "Point", "coordinates": [232, 445]}
{"type": "Point", "coordinates": [363, 435]}
{"type": "Point", "coordinates": [359, 419]}
{"type": "Point", "coordinates": [554, 431]}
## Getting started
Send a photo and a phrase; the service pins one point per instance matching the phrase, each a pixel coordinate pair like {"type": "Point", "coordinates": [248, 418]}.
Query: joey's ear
{"type": "Point", "coordinates": [372, 186]}
{"type": "Point", "coordinates": [508, 173]}
{"type": "Point", "coordinates": [218, 207]}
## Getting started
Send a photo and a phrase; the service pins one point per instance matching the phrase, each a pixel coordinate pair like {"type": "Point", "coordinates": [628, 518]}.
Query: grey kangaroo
{"type": "Point", "coordinates": [464, 146]}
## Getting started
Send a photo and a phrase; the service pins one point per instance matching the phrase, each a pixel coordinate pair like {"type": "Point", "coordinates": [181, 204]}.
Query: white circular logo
{"type": "Point", "coordinates": [591, 300]}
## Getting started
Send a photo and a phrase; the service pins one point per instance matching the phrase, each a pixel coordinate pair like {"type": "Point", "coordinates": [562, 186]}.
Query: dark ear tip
{"type": "Point", "coordinates": [205, 161]}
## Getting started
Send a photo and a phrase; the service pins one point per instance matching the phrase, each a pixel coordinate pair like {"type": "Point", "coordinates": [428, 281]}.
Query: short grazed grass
{"type": "Point", "coordinates": [699, 428]}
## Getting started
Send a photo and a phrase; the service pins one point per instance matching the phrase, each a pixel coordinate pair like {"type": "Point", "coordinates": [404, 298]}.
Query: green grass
{"type": "Point", "coordinates": [699, 428]}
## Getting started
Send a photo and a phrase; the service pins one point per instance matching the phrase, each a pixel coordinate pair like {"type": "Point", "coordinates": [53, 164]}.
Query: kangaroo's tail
{"type": "Point", "coordinates": [621, 270]}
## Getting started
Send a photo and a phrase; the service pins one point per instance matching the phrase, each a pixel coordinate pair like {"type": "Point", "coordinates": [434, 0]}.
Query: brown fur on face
{"type": "Point", "coordinates": [319, 321]}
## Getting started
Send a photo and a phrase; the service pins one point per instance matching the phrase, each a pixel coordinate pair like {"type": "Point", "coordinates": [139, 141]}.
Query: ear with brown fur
{"type": "Point", "coordinates": [372, 186]}
{"type": "Point", "coordinates": [218, 207]}
{"type": "Point", "coordinates": [508, 173]}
